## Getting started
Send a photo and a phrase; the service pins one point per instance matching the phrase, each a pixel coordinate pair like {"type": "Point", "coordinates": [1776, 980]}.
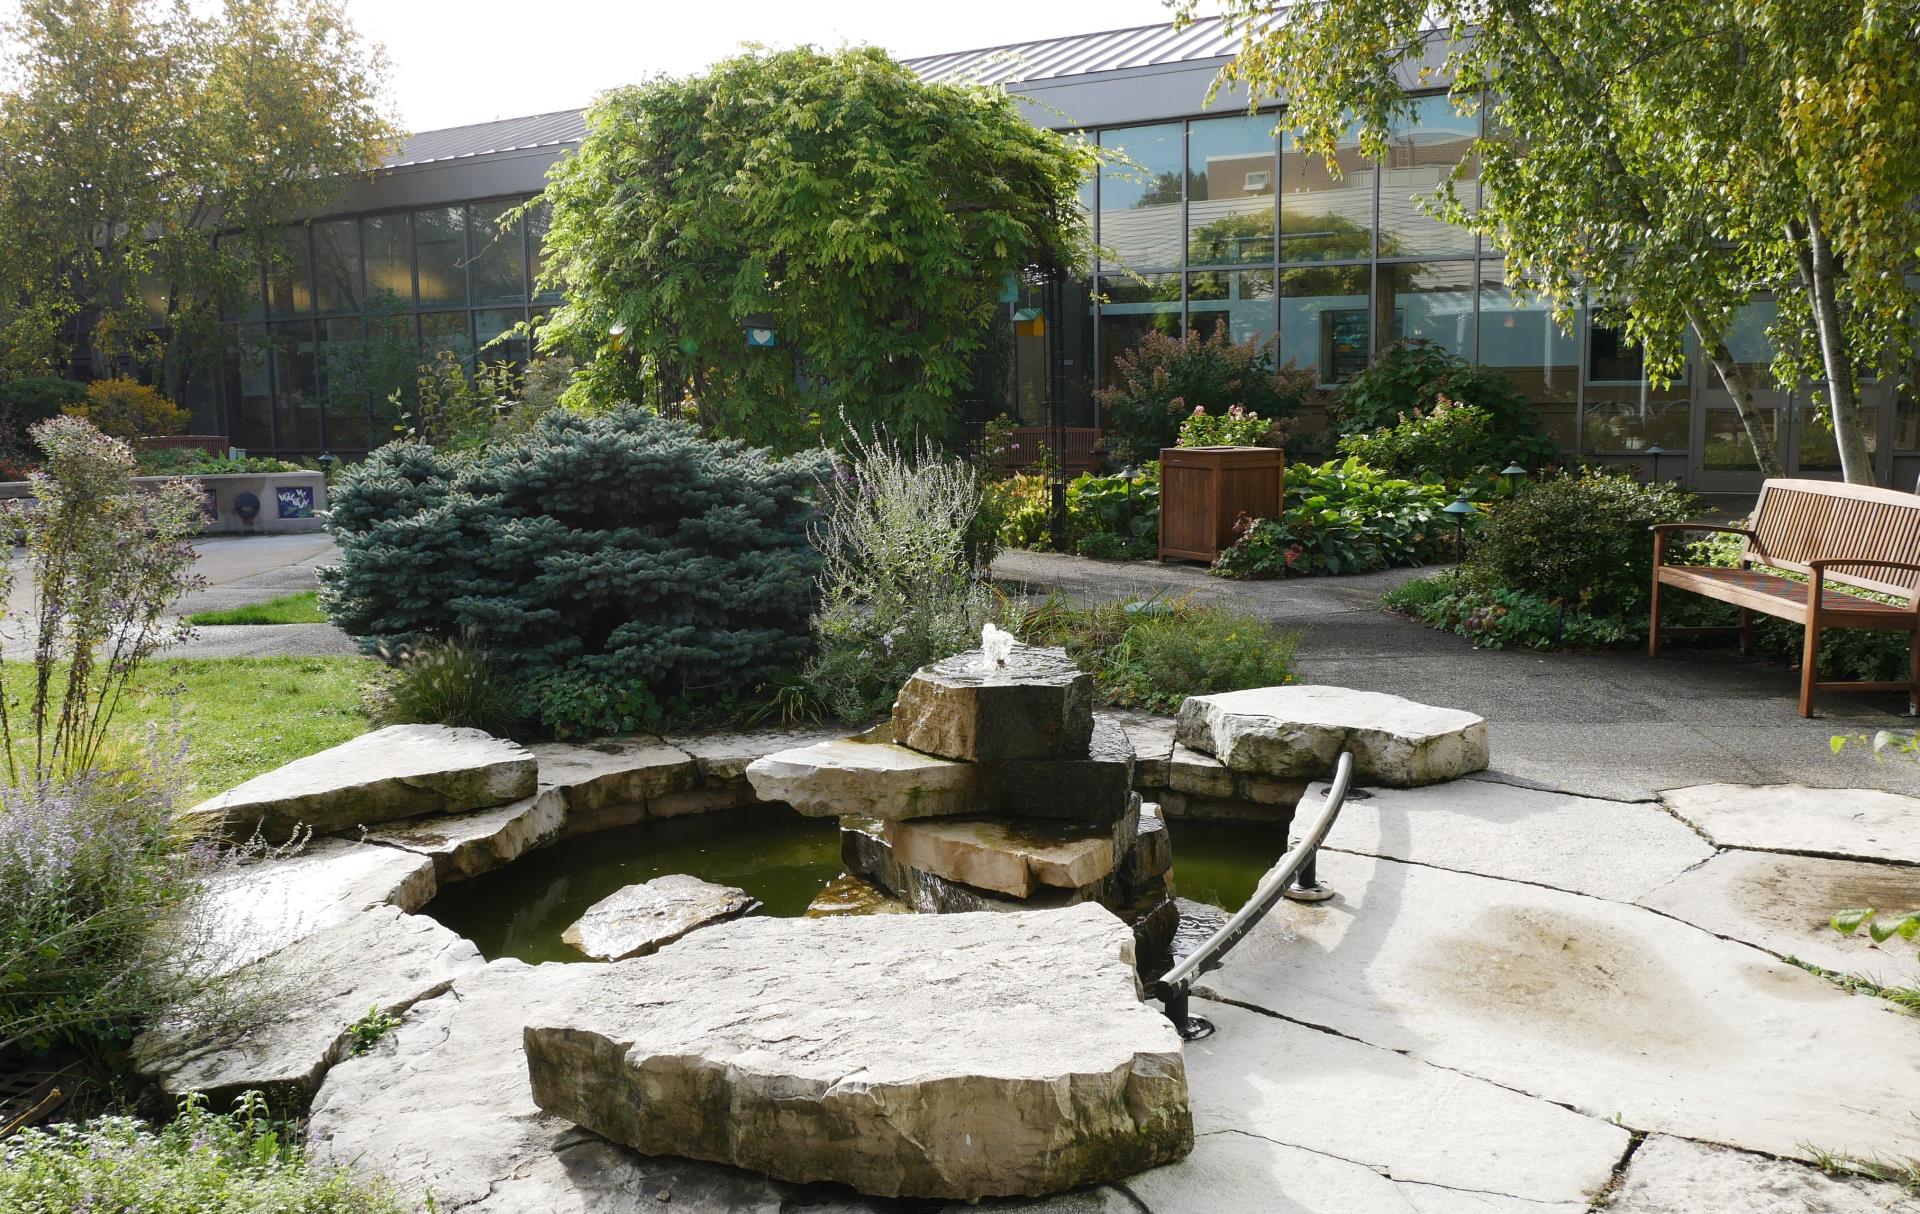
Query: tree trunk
{"type": "Point", "coordinates": [1740, 387]}
{"type": "Point", "coordinates": [1817, 275]}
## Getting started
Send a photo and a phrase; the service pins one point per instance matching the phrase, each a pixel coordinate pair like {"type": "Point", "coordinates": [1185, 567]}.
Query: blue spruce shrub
{"type": "Point", "coordinates": [615, 564]}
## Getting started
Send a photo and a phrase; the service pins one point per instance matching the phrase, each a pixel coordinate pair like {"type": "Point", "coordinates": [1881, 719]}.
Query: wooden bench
{"type": "Point", "coordinates": [1835, 534]}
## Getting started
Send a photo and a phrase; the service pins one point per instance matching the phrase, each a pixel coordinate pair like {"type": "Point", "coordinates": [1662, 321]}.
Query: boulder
{"type": "Point", "coordinates": [614, 771]}
{"type": "Point", "coordinates": [1293, 732]}
{"type": "Point", "coordinates": [948, 1056]}
{"type": "Point", "coordinates": [1152, 740]}
{"type": "Point", "coordinates": [304, 1000]}
{"type": "Point", "coordinates": [402, 771]}
{"type": "Point", "coordinates": [1094, 787]}
{"type": "Point", "coordinates": [1039, 705]}
{"type": "Point", "coordinates": [440, 1105]}
{"type": "Point", "coordinates": [466, 845]}
{"type": "Point", "coordinates": [646, 917]}
{"type": "Point", "coordinates": [722, 757]}
{"type": "Point", "coordinates": [1014, 856]}
{"type": "Point", "coordinates": [848, 894]}
{"type": "Point", "coordinates": [867, 854]}
{"type": "Point", "coordinates": [1152, 852]}
{"type": "Point", "coordinates": [866, 775]}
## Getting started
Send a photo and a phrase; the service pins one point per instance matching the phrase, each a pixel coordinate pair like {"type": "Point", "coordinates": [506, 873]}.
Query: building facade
{"type": "Point", "coordinates": [1218, 220]}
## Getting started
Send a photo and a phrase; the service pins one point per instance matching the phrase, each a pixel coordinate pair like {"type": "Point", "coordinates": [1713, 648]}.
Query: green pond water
{"type": "Point", "coordinates": [774, 854]}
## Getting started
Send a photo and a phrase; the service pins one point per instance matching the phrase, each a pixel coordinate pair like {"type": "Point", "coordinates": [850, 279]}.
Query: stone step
{"type": "Point", "coordinates": [866, 775]}
{"type": "Point", "coordinates": [1299, 732]}
{"type": "Point", "coordinates": [937, 1056]}
{"type": "Point", "coordinates": [466, 845]}
{"type": "Point", "coordinates": [402, 771]}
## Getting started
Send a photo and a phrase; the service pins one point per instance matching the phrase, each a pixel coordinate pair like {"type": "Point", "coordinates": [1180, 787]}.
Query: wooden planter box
{"type": "Point", "coordinates": [1205, 490]}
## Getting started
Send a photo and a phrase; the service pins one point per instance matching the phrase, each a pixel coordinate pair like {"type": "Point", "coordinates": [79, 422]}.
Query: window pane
{"type": "Point", "coordinates": [1749, 344]}
{"type": "Point", "coordinates": [539, 220]}
{"type": "Point", "coordinates": [336, 265]}
{"type": "Point", "coordinates": [249, 393]}
{"type": "Point", "coordinates": [1241, 299]}
{"type": "Point", "coordinates": [296, 387]}
{"type": "Point", "coordinates": [1427, 301]}
{"type": "Point", "coordinates": [289, 278]}
{"type": "Point", "coordinates": [1323, 217]}
{"type": "Point", "coordinates": [445, 331]}
{"type": "Point", "coordinates": [499, 258]}
{"type": "Point", "coordinates": [1623, 411]}
{"type": "Point", "coordinates": [249, 303]}
{"type": "Point", "coordinates": [1323, 320]}
{"type": "Point", "coordinates": [440, 239]}
{"type": "Point", "coordinates": [389, 262]}
{"type": "Point", "coordinates": [343, 372]}
{"type": "Point", "coordinates": [1421, 151]}
{"type": "Point", "coordinates": [392, 367]}
{"type": "Point", "coordinates": [1140, 202]}
{"type": "Point", "coordinates": [1232, 181]}
{"type": "Point", "coordinates": [491, 323]}
{"type": "Point", "coordinates": [1133, 310]}
{"type": "Point", "coordinates": [1519, 339]}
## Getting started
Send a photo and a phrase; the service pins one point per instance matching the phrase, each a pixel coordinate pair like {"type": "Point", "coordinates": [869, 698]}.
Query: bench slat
{"type": "Point", "coordinates": [1782, 597]}
{"type": "Point", "coordinates": [1797, 522]}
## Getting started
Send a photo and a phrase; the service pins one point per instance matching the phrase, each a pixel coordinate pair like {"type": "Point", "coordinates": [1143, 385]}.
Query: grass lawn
{"type": "Point", "coordinates": [302, 608]}
{"type": "Point", "coordinates": [241, 716]}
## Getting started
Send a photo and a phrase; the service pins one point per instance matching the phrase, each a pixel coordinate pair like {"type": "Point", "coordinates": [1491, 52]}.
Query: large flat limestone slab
{"type": "Point", "coordinates": [1037, 705]}
{"type": "Point", "coordinates": [466, 845]}
{"type": "Point", "coordinates": [1603, 848]}
{"type": "Point", "coordinates": [320, 985]}
{"type": "Point", "coordinates": [402, 771]}
{"type": "Point", "coordinates": [646, 917]}
{"type": "Point", "coordinates": [614, 771]}
{"type": "Point", "coordinates": [1014, 856]}
{"type": "Point", "coordinates": [951, 1056]}
{"type": "Point", "coordinates": [261, 906]}
{"type": "Point", "coordinates": [1396, 1115]}
{"type": "Point", "coordinates": [1672, 1176]}
{"type": "Point", "coordinates": [1292, 732]}
{"type": "Point", "coordinates": [874, 778]}
{"type": "Point", "coordinates": [1852, 823]}
{"type": "Point", "coordinates": [1784, 904]}
{"type": "Point", "coordinates": [1604, 1007]}
{"type": "Point", "coordinates": [441, 1105]}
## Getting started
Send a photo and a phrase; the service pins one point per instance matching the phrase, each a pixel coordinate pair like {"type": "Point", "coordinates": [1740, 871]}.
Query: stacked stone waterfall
{"type": "Point", "coordinates": [993, 787]}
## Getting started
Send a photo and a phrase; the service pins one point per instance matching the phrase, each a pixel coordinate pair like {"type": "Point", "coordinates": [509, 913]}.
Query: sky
{"type": "Point", "coordinates": [475, 60]}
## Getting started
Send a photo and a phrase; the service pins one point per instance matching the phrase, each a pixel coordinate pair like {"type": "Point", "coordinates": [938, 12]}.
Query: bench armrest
{"type": "Point", "coordinates": [1823, 562]}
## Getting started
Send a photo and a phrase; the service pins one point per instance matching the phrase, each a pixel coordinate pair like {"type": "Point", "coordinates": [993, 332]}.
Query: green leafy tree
{"type": "Point", "coordinates": [1669, 160]}
{"type": "Point", "coordinates": [869, 217]}
{"type": "Point", "coordinates": [131, 131]}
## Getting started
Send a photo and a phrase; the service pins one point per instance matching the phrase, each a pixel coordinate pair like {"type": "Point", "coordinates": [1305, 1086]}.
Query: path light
{"type": "Point", "coordinates": [1512, 471]}
{"type": "Point", "coordinates": [1460, 507]}
{"type": "Point", "coordinates": [326, 461]}
{"type": "Point", "coordinates": [1656, 451]}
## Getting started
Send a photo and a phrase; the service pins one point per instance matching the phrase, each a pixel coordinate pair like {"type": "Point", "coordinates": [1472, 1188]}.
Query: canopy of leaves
{"type": "Point", "coordinates": [131, 131]}
{"type": "Point", "coordinates": [868, 219]}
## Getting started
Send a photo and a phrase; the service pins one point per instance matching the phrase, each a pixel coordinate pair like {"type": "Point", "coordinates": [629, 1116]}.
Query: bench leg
{"type": "Point", "coordinates": [1913, 674]}
{"type": "Point", "coordinates": [1653, 619]}
{"type": "Point", "coordinates": [1746, 630]}
{"type": "Point", "coordinates": [1810, 663]}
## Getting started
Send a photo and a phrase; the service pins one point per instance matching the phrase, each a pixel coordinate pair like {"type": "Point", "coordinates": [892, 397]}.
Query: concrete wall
{"type": "Point", "coordinates": [286, 501]}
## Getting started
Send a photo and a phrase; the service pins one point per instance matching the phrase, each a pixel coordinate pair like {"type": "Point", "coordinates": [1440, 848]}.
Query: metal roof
{"type": "Point", "coordinates": [486, 138]}
{"type": "Point", "coordinates": [1079, 54]}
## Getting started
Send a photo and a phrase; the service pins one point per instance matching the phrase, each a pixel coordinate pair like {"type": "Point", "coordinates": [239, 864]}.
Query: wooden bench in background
{"type": "Point", "coordinates": [1835, 534]}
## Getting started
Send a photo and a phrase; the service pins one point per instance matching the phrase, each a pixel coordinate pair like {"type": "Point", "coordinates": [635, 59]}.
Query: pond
{"type": "Point", "coordinates": [774, 854]}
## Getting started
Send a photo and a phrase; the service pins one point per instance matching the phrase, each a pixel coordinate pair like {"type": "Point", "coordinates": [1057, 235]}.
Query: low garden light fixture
{"type": "Point", "coordinates": [1514, 473]}
{"type": "Point", "coordinates": [1654, 453]}
{"type": "Point", "coordinates": [326, 461]}
{"type": "Point", "coordinates": [1460, 508]}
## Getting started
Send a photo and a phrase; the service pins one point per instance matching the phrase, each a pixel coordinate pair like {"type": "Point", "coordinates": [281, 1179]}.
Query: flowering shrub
{"type": "Point", "coordinates": [898, 587]}
{"type": "Point", "coordinates": [1236, 427]}
{"type": "Point", "coordinates": [1450, 441]}
{"type": "Point", "coordinates": [200, 1163]}
{"type": "Point", "coordinates": [127, 408]}
{"type": "Point", "coordinates": [1344, 517]}
{"type": "Point", "coordinates": [1162, 380]}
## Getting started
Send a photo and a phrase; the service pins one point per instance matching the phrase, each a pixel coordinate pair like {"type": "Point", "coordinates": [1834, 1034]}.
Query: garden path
{"type": "Point", "coordinates": [1616, 725]}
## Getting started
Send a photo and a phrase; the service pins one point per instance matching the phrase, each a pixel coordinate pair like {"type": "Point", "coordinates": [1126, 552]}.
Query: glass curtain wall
{"type": "Point", "coordinates": [353, 306]}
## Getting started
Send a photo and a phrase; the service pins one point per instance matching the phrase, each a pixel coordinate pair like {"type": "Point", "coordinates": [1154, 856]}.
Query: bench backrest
{"type": "Point", "coordinates": [1797, 521]}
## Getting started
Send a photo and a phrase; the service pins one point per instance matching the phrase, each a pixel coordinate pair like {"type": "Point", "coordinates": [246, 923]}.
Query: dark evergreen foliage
{"type": "Point", "coordinates": [623, 554]}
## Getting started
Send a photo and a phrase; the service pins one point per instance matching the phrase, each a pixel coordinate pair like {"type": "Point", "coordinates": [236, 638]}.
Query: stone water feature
{"type": "Point", "coordinates": [994, 787]}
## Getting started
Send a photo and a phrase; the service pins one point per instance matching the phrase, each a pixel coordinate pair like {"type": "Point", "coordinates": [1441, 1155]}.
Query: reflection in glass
{"type": "Point", "coordinates": [343, 376]}
{"type": "Point", "coordinates": [1323, 320]}
{"type": "Point", "coordinates": [1232, 180]}
{"type": "Point", "coordinates": [1134, 309]}
{"type": "Point", "coordinates": [1324, 217]}
{"type": "Point", "coordinates": [336, 265]}
{"type": "Point", "coordinates": [539, 222]}
{"type": "Point", "coordinates": [1519, 339]}
{"type": "Point", "coordinates": [389, 247]}
{"type": "Point", "coordinates": [490, 323]}
{"type": "Point", "coordinates": [296, 386]}
{"type": "Point", "coordinates": [1427, 301]}
{"type": "Point", "coordinates": [289, 277]}
{"type": "Point", "coordinates": [499, 259]}
{"type": "Point", "coordinates": [446, 331]}
{"type": "Point", "coordinates": [1727, 447]}
{"type": "Point", "coordinates": [1819, 449]}
{"type": "Point", "coordinates": [1422, 150]}
{"type": "Point", "coordinates": [440, 241]}
{"type": "Point", "coordinates": [1140, 201]}
{"type": "Point", "coordinates": [1749, 344]}
{"type": "Point", "coordinates": [250, 390]}
{"type": "Point", "coordinates": [1623, 411]}
{"type": "Point", "coordinates": [1241, 299]}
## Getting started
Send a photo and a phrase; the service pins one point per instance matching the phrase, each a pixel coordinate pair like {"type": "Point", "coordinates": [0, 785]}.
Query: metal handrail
{"type": "Point", "coordinates": [1295, 877]}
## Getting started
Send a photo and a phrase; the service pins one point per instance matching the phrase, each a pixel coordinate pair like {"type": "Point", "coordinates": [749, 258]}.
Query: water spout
{"type": "Point", "coordinates": [996, 645]}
